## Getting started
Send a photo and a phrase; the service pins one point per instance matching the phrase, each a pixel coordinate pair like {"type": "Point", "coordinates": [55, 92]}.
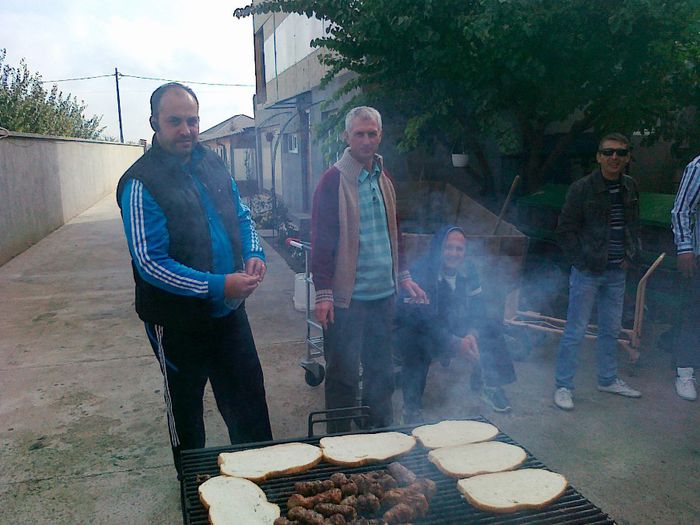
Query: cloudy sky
{"type": "Point", "coordinates": [174, 40]}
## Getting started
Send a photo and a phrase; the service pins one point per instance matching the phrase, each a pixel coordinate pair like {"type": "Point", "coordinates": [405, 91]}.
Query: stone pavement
{"type": "Point", "coordinates": [83, 437]}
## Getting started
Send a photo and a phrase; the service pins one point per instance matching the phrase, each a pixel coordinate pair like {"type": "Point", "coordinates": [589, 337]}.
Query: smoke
{"type": "Point", "coordinates": [511, 281]}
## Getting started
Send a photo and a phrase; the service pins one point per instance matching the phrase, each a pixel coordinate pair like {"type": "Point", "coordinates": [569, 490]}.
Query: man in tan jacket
{"type": "Point", "coordinates": [357, 263]}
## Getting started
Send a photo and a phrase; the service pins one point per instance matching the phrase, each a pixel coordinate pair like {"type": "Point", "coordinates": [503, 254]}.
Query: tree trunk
{"type": "Point", "coordinates": [484, 170]}
{"type": "Point", "coordinates": [560, 147]}
{"type": "Point", "coordinates": [533, 142]}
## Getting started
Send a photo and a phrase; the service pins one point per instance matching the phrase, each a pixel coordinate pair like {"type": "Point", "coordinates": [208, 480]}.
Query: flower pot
{"type": "Point", "coordinates": [460, 160]}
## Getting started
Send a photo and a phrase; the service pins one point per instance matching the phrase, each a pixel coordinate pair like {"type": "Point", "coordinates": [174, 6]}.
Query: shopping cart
{"type": "Point", "coordinates": [315, 372]}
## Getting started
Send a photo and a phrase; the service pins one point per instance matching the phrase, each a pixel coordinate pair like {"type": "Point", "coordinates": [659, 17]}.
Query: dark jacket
{"type": "Point", "coordinates": [583, 227]}
{"type": "Point", "coordinates": [451, 314]}
{"type": "Point", "coordinates": [438, 327]}
{"type": "Point", "coordinates": [190, 241]}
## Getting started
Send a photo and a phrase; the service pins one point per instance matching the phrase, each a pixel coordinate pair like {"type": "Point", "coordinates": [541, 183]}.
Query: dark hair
{"type": "Point", "coordinates": [161, 90]}
{"type": "Point", "coordinates": [617, 137]}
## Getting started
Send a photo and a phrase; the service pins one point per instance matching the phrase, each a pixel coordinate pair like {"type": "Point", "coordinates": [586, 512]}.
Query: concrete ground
{"type": "Point", "coordinates": [82, 428]}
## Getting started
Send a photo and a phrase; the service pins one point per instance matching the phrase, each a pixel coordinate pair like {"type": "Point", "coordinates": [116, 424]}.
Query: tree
{"type": "Point", "coordinates": [27, 107]}
{"type": "Point", "coordinates": [514, 70]}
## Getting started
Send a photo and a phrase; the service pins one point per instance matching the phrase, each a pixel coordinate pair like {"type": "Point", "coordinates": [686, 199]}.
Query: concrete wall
{"type": "Point", "coordinates": [46, 181]}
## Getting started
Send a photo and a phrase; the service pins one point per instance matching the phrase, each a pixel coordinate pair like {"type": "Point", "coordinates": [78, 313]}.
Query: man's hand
{"type": "Point", "coordinates": [686, 264]}
{"type": "Point", "coordinates": [324, 313]}
{"type": "Point", "coordinates": [240, 285]}
{"type": "Point", "coordinates": [469, 349]}
{"type": "Point", "coordinates": [256, 267]}
{"type": "Point", "coordinates": [416, 293]}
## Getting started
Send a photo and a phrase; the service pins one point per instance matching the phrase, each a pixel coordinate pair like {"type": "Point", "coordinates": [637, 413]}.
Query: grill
{"type": "Point", "coordinates": [446, 507]}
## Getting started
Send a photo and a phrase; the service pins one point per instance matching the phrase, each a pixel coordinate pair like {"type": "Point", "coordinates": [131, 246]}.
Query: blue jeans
{"type": "Point", "coordinates": [688, 338]}
{"type": "Point", "coordinates": [584, 288]}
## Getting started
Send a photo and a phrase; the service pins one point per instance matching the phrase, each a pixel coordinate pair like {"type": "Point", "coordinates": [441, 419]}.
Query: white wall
{"type": "Point", "coordinates": [290, 43]}
{"type": "Point", "coordinates": [46, 181]}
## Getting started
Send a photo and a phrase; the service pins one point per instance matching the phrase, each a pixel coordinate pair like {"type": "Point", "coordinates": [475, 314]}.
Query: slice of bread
{"type": "Point", "coordinates": [451, 433]}
{"type": "Point", "coordinates": [463, 461]}
{"type": "Point", "coordinates": [259, 464]}
{"type": "Point", "coordinates": [232, 501]}
{"type": "Point", "coordinates": [514, 490]}
{"type": "Point", "coordinates": [354, 450]}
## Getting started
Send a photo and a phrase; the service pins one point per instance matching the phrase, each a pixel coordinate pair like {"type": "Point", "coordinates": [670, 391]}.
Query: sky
{"type": "Point", "coordinates": [174, 40]}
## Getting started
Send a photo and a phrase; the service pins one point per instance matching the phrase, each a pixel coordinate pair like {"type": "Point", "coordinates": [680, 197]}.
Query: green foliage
{"type": "Point", "coordinates": [512, 70]}
{"type": "Point", "coordinates": [27, 107]}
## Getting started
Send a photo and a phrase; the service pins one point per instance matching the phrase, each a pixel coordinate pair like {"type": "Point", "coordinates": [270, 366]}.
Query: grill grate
{"type": "Point", "coordinates": [447, 506]}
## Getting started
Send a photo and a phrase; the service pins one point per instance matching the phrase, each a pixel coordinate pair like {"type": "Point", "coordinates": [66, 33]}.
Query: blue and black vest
{"type": "Point", "coordinates": [176, 193]}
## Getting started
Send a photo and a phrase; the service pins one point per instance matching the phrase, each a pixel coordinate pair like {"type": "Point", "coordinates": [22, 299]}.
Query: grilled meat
{"type": "Point", "coordinates": [361, 498]}
{"type": "Point", "coordinates": [305, 516]}
{"type": "Point", "coordinates": [328, 509]}
{"type": "Point", "coordinates": [309, 502]}
{"type": "Point", "coordinates": [311, 488]}
{"type": "Point", "coordinates": [401, 474]}
{"type": "Point", "coordinates": [335, 519]}
{"type": "Point", "coordinates": [284, 521]}
{"type": "Point", "coordinates": [368, 504]}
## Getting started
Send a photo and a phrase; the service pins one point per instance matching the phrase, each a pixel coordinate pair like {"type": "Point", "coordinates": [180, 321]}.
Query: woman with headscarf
{"type": "Point", "coordinates": [455, 321]}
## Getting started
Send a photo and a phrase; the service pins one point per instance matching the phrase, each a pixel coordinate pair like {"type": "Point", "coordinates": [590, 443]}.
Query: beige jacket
{"type": "Point", "coordinates": [336, 230]}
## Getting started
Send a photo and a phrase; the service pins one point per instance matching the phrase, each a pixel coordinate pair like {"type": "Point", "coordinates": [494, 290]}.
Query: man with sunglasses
{"type": "Point", "coordinates": [686, 231]}
{"type": "Point", "coordinates": [599, 234]}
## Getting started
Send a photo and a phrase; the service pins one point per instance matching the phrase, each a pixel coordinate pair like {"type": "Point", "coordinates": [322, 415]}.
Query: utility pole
{"type": "Point", "coordinates": [119, 106]}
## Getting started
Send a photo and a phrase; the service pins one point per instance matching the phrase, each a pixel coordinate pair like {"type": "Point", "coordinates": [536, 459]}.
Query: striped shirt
{"type": "Point", "coordinates": [684, 215]}
{"type": "Point", "coordinates": [616, 242]}
{"type": "Point", "coordinates": [374, 275]}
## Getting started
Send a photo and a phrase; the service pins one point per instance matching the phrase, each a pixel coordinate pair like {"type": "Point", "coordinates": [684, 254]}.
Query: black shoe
{"type": "Point", "coordinates": [495, 398]}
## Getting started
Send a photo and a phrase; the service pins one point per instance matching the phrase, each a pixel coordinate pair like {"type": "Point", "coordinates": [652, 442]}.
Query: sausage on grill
{"type": "Point", "coordinates": [305, 516]}
{"type": "Point", "coordinates": [309, 502]}
{"type": "Point", "coordinates": [328, 509]}
{"type": "Point", "coordinates": [311, 488]}
{"type": "Point", "coordinates": [401, 474]}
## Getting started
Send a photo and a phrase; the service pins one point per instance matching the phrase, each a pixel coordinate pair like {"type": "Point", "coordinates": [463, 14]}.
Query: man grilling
{"type": "Point", "coordinates": [599, 234]}
{"type": "Point", "coordinates": [196, 257]}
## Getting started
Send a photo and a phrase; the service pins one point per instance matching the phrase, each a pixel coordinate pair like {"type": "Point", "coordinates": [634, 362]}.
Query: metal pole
{"type": "Point", "coordinates": [273, 151]}
{"type": "Point", "coordinates": [514, 185]}
{"type": "Point", "coordinates": [119, 106]}
{"type": "Point", "coordinates": [274, 154]}
{"type": "Point", "coordinates": [258, 147]}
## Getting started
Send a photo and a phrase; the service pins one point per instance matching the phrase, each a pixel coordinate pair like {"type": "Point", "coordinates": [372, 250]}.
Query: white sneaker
{"type": "Point", "coordinates": [564, 399]}
{"type": "Point", "coordinates": [620, 388]}
{"type": "Point", "coordinates": [685, 384]}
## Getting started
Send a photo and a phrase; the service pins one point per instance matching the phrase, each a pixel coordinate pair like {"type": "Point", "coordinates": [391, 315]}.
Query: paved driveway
{"type": "Point", "coordinates": [82, 429]}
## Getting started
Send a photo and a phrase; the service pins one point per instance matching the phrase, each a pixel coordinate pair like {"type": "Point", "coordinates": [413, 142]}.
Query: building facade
{"type": "Point", "coordinates": [234, 141]}
{"type": "Point", "coordinates": [289, 107]}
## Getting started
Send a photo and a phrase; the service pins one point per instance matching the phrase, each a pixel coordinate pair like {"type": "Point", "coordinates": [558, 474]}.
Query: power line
{"type": "Point", "coordinates": [149, 78]}
{"type": "Point", "coordinates": [71, 79]}
{"type": "Point", "coordinates": [188, 81]}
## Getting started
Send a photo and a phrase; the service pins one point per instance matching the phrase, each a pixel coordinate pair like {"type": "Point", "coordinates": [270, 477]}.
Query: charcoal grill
{"type": "Point", "coordinates": [447, 506]}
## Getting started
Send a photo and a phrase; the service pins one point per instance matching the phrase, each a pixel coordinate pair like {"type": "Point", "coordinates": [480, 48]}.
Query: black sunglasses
{"type": "Point", "coordinates": [608, 152]}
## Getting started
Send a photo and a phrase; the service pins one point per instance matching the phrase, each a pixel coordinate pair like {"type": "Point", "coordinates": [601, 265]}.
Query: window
{"type": "Point", "coordinates": [334, 145]}
{"type": "Point", "coordinates": [292, 143]}
{"type": "Point", "coordinates": [260, 89]}
{"type": "Point", "coordinates": [221, 151]}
